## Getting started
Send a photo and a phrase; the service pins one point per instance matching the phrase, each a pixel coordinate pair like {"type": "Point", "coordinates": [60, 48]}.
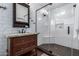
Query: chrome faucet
{"type": "Point", "coordinates": [22, 31]}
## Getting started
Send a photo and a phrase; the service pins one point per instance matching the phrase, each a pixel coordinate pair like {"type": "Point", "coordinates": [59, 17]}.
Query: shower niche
{"type": "Point", "coordinates": [21, 15]}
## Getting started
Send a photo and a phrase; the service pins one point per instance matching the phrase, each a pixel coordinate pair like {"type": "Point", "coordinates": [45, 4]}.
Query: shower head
{"type": "Point", "coordinates": [50, 3]}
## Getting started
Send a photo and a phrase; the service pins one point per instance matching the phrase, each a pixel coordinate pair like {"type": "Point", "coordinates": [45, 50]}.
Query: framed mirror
{"type": "Point", "coordinates": [21, 15]}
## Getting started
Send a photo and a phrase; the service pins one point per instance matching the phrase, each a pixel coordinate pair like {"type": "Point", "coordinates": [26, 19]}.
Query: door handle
{"type": "Point", "coordinates": [68, 30]}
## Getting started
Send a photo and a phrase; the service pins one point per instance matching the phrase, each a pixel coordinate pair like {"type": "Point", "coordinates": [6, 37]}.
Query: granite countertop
{"type": "Point", "coordinates": [19, 34]}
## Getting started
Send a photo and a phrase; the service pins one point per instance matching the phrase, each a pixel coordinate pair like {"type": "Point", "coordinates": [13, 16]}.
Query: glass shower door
{"type": "Point", "coordinates": [43, 24]}
{"type": "Point", "coordinates": [64, 29]}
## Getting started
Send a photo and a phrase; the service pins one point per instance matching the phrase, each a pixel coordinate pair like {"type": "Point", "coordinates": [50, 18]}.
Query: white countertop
{"type": "Point", "coordinates": [19, 34]}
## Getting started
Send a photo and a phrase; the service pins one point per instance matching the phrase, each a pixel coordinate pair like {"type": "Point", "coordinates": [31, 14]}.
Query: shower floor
{"type": "Point", "coordinates": [59, 50]}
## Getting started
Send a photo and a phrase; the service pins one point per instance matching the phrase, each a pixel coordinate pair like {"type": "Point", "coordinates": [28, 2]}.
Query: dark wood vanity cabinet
{"type": "Point", "coordinates": [22, 45]}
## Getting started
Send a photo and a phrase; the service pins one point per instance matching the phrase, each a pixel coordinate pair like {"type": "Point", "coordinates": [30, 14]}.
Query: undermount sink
{"type": "Point", "coordinates": [20, 34]}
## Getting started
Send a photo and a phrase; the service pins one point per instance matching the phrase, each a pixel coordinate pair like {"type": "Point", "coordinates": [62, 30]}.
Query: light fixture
{"type": "Point", "coordinates": [44, 12]}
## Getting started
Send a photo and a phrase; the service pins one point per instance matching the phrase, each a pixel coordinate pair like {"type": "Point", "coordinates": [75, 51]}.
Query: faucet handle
{"type": "Point", "coordinates": [23, 31]}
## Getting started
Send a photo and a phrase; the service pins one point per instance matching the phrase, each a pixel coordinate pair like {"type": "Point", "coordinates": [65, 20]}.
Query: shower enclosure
{"type": "Point", "coordinates": [56, 28]}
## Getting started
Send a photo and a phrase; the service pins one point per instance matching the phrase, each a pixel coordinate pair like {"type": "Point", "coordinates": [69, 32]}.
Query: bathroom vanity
{"type": "Point", "coordinates": [22, 44]}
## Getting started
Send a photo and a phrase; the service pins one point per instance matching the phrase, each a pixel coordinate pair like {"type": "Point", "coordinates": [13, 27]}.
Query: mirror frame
{"type": "Point", "coordinates": [19, 23]}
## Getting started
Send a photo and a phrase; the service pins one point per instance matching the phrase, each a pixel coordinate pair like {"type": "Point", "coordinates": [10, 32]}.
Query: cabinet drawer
{"type": "Point", "coordinates": [23, 46]}
{"type": "Point", "coordinates": [26, 50]}
{"type": "Point", "coordinates": [23, 39]}
{"type": "Point", "coordinates": [26, 43]}
{"type": "Point", "coordinates": [20, 40]}
{"type": "Point", "coordinates": [20, 47]}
